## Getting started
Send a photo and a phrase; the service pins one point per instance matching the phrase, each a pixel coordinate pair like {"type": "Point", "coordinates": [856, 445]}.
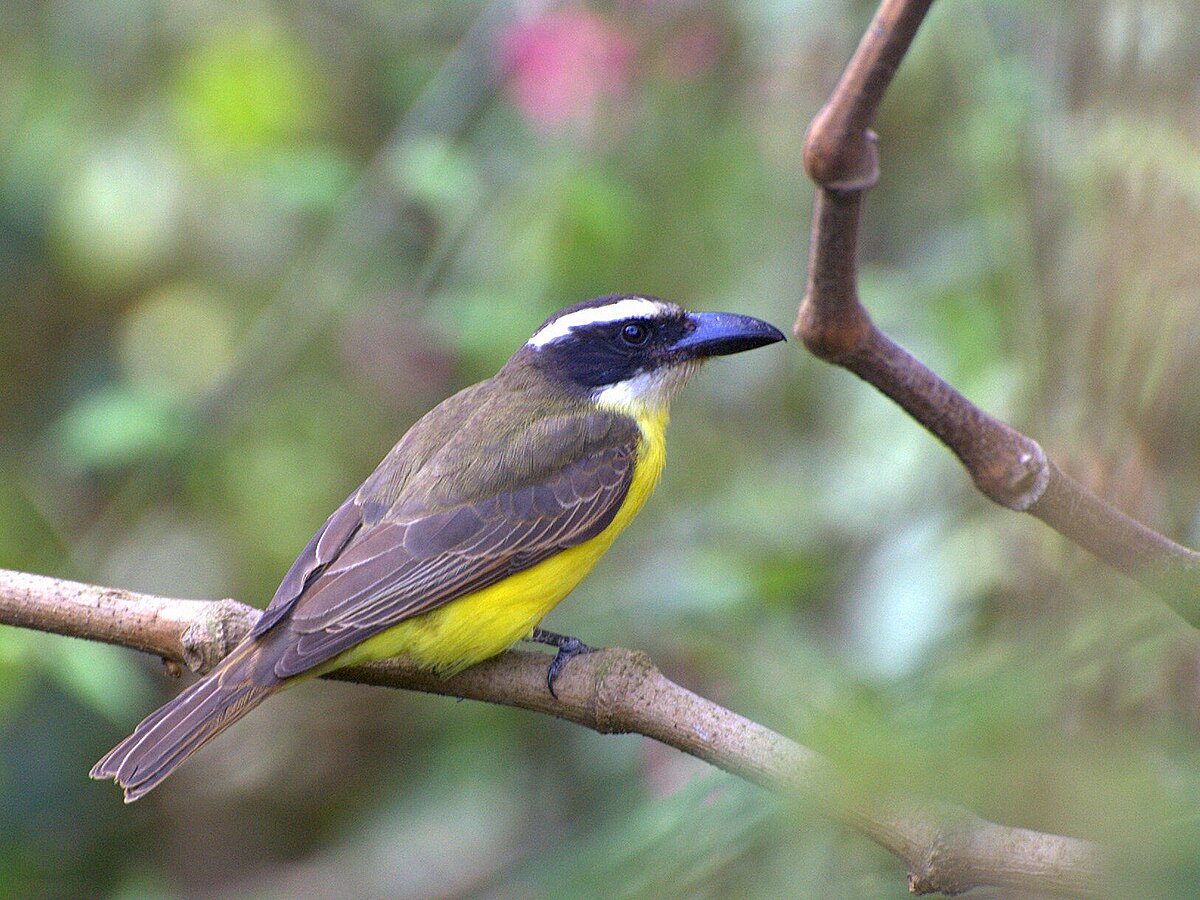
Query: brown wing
{"type": "Point", "coordinates": [324, 547]}
{"type": "Point", "coordinates": [397, 569]}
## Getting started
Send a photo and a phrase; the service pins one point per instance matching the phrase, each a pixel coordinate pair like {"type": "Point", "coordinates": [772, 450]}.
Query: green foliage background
{"type": "Point", "coordinates": [244, 246]}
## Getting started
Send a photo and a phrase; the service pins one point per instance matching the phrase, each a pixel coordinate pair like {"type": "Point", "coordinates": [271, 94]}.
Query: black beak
{"type": "Point", "coordinates": [719, 334]}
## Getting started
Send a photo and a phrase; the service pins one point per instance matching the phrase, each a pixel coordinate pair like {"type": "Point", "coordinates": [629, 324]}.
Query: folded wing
{"type": "Point", "coordinates": [385, 573]}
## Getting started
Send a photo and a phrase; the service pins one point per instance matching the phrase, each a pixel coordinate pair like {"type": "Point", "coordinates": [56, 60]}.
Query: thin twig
{"type": "Point", "coordinates": [1010, 468]}
{"type": "Point", "coordinates": [614, 691]}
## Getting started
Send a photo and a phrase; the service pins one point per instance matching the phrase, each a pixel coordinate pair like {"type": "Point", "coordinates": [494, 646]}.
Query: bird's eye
{"type": "Point", "coordinates": [635, 333]}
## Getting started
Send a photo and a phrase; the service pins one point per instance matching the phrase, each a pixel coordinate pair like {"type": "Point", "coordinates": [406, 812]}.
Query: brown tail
{"type": "Point", "coordinates": [176, 730]}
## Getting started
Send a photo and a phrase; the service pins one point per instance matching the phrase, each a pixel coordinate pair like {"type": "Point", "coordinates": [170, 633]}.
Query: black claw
{"type": "Point", "coordinates": [567, 647]}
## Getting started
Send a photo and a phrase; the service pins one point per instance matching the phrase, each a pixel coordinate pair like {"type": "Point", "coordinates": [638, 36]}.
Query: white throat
{"type": "Point", "coordinates": [647, 392]}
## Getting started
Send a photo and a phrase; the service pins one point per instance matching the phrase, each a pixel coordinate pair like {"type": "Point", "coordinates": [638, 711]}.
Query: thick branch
{"type": "Point", "coordinates": [1007, 466]}
{"type": "Point", "coordinates": [611, 691]}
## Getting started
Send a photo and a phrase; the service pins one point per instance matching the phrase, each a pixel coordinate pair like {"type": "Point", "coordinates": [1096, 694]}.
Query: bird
{"type": "Point", "coordinates": [488, 511]}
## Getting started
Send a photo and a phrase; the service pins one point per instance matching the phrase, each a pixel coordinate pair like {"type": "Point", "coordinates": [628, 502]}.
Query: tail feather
{"type": "Point", "coordinates": [179, 728]}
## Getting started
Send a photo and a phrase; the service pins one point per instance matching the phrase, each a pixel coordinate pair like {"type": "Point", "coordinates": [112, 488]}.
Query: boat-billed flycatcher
{"type": "Point", "coordinates": [486, 514]}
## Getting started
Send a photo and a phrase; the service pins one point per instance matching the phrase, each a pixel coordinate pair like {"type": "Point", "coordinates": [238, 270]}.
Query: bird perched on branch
{"type": "Point", "coordinates": [485, 515]}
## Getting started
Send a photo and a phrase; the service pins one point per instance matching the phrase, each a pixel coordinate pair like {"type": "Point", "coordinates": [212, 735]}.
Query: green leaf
{"type": "Point", "coordinates": [117, 425]}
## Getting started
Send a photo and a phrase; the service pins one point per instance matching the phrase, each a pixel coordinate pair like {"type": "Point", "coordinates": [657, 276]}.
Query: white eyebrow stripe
{"type": "Point", "coordinates": [625, 308]}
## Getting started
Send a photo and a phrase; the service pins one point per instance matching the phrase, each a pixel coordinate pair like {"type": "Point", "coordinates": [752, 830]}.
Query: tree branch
{"type": "Point", "coordinates": [841, 156]}
{"type": "Point", "coordinates": [614, 691]}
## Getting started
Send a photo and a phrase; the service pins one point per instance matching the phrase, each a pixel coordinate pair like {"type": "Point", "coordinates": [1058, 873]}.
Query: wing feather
{"type": "Point", "coordinates": [394, 570]}
{"type": "Point", "coordinates": [324, 547]}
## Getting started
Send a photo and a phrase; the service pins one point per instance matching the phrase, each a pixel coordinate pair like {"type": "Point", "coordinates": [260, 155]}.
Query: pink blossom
{"type": "Point", "coordinates": [562, 65]}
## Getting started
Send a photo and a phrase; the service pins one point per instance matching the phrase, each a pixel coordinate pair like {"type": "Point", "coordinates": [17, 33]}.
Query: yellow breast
{"type": "Point", "coordinates": [480, 625]}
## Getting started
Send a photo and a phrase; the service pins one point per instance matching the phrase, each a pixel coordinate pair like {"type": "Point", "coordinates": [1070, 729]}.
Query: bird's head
{"type": "Point", "coordinates": [633, 353]}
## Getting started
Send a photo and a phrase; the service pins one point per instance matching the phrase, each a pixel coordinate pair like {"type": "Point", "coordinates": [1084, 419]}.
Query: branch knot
{"type": "Point", "coordinates": [215, 632]}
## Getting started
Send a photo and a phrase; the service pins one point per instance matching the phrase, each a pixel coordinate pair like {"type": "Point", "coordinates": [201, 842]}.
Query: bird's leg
{"type": "Point", "coordinates": [567, 647]}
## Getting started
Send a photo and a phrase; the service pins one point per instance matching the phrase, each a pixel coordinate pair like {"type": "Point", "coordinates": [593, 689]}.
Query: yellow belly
{"type": "Point", "coordinates": [480, 625]}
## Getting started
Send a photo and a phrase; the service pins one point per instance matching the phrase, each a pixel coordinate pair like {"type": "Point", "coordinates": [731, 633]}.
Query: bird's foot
{"type": "Point", "coordinates": [567, 647]}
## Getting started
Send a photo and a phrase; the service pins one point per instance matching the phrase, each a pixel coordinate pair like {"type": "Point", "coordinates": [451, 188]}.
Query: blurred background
{"type": "Point", "coordinates": [243, 247]}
